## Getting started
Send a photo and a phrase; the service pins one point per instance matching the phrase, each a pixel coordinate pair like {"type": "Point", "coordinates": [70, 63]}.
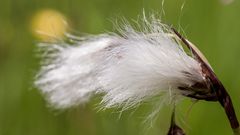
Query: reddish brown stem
{"type": "Point", "coordinates": [226, 102]}
{"type": "Point", "coordinates": [221, 93]}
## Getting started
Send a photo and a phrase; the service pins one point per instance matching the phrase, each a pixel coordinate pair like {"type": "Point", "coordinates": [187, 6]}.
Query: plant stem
{"type": "Point", "coordinates": [236, 131]}
{"type": "Point", "coordinates": [225, 100]}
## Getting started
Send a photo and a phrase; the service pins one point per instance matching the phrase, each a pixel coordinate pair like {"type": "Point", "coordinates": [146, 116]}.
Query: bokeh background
{"type": "Point", "coordinates": [213, 25]}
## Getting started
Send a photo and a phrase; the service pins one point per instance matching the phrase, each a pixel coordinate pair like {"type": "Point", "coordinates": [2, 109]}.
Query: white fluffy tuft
{"type": "Point", "coordinates": [127, 68]}
{"type": "Point", "coordinates": [68, 76]}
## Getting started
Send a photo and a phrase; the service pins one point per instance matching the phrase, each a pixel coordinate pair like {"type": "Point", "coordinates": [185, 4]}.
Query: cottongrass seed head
{"type": "Point", "coordinates": [127, 68]}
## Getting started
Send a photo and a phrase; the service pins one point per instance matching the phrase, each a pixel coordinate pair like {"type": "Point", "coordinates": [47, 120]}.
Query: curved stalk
{"type": "Point", "coordinates": [215, 85]}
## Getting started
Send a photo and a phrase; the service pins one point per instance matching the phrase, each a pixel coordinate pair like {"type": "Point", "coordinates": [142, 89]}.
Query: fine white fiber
{"type": "Point", "coordinates": [126, 68]}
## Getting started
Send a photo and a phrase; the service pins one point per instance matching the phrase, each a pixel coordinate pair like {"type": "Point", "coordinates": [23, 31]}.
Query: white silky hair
{"type": "Point", "coordinates": [126, 68]}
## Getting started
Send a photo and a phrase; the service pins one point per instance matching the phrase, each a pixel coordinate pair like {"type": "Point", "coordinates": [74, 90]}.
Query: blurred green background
{"type": "Point", "coordinates": [213, 25]}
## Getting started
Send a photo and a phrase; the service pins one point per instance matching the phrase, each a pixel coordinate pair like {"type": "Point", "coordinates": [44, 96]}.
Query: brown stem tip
{"type": "Point", "coordinates": [218, 93]}
{"type": "Point", "coordinates": [174, 128]}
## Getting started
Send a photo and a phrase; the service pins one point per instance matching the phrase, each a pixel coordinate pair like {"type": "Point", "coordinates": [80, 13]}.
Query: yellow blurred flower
{"type": "Point", "coordinates": [49, 25]}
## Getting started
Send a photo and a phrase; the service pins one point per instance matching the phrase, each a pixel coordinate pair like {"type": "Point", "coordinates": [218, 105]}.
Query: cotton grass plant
{"type": "Point", "coordinates": [128, 68]}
